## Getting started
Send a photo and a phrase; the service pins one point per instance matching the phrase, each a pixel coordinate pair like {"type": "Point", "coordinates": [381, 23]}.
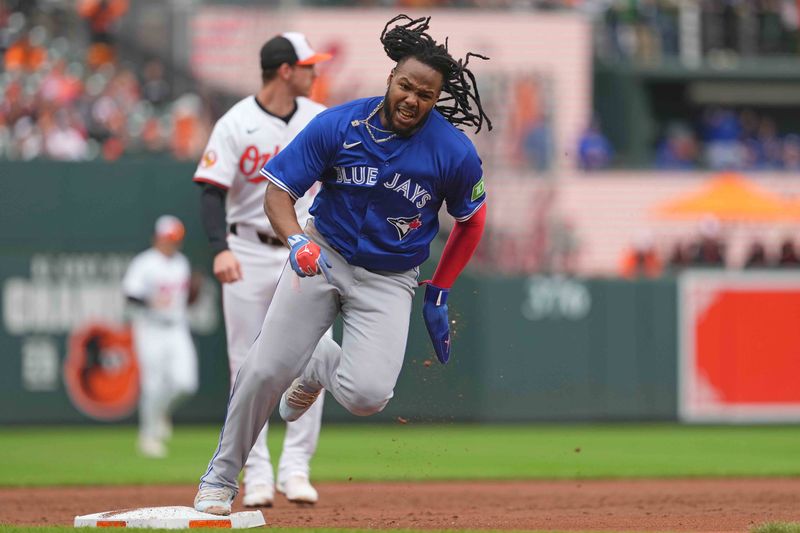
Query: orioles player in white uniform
{"type": "Point", "coordinates": [249, 257]}
{"type": "Point", "coordinates": [157, 287]}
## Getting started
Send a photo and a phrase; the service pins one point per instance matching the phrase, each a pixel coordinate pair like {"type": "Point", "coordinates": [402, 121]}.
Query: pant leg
{"type": "Point", "coordinates": [301, 311]}
{"type": "Point", "coordinates": [154, 388]}
{"type": "Point", "coordinates": [302, 437]}
{"type": "Point", "coordinates": [361, 375]}
{"type": "Point", "coordinates": [182, 360]}
{"type": "Point", "coordinates": [244, 305]}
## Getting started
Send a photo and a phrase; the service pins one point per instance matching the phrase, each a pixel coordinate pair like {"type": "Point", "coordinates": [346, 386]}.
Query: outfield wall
{"type": "Point", "coordinates": [525, 349]}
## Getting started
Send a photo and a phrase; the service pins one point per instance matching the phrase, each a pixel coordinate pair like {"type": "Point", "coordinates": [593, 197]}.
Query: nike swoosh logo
{"type": "Point", "coordinates": [347, 145]}
{"type": "Point", "coordinates": [252, 131]}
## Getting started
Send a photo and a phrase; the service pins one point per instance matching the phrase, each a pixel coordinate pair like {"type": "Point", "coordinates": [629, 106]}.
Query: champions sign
{"type": "Point", "coordinates": [65, 318]}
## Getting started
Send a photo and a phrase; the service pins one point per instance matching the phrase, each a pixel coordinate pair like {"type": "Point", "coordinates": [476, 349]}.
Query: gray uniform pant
{"type": "Point", "coordinates": [361, 374]}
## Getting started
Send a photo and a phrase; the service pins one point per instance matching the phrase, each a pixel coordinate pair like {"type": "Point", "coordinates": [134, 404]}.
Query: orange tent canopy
{"type": "Point", "coordinates": [729, 197]}
{"type": "Point", "coordinates": [793, 205]}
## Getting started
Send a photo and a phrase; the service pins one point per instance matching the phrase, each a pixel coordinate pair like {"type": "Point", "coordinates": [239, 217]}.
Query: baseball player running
{"type": "Point", "coordinates": [386, 165]}
{"type": "Point", "coordinates": [156, 285]}
{"type": "Point", "coordinates": [249, 255]}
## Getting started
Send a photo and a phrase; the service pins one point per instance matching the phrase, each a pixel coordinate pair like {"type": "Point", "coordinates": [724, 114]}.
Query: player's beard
{"type": "Point", "coordinates": [388, 114]}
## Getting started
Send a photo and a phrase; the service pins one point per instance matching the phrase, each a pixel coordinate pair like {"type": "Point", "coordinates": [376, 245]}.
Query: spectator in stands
{"type": "Point", "coordinates": [751, 155]}
{"type": "Point", "coordinates": [530, 140]}
{"type": "Point", "coordinates": [788, 257]}
{"type": "Point", "coordinates": [721, 134]}
{"type": "Point", "coordinates": [62, 141]}
{"type": "Point", "coordinates": [152, 136]}
{"type": "Point", "coordinates": [759, 142]}
{"type": "Point", "coordinates": [27, 52]}
{"type": "Point", "coordinates": [27, 140]}
{"type": "Point", "coordinates": [709, 249]}
{"type": "Point", "coordinates": [741, 141]}
{"type": "Point", "coordinates": [15, 103]}
{"type": "Point", "coordinates": [538, 145]}
{"type": "Point", "coordinates": [52, 106]}
{"type": "Point", "coordinates": [594, 149]}
{"type": "Point", "coordinates": [155, 88]}
{"type": "Point", "coordinates": [791, 152]}
{"type": "Point", "coordinates": [5, 138]}
{"type": "Point", "coordinates": [749, 122]}
{"type": "Point", "coordinates": [757, 256]}
{"type": "Point", "coordinates": [678, 258]}
{"type": "Point", "coordinates": [59, 86]}
{"type": "Point", "coordinates": [641, 259]}
{"type": "Point", "coordinates": [678, 150]}
{"type": "Point", "coordinates": [769, 144]}
{"type": "Point", "coordinates": [189, 134]}
{"type": "Point", "coordinates": [101, 17]}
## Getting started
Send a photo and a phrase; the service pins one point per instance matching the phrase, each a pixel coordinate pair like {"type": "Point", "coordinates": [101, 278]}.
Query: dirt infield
{"type": "Point", "coordinates": [643, 505]}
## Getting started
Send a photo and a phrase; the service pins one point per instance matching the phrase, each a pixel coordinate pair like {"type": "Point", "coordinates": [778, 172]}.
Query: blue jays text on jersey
{"type": "Point", "coordinates": [379, 202]}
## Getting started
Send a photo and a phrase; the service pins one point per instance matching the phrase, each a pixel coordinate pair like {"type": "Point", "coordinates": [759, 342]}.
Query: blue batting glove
{"type": "Point", "coordinates": [306, 257]}
{"type": "Point", "coordinates": [434, 311]}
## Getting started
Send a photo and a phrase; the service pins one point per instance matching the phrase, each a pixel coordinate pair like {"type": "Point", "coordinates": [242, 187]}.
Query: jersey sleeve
{"type": "Point", "coordinates": [465, 192]}
{"type": "Point", "coordinates": [218, 164]}
{"type": "Point", "coordinates": [135, 281]}
{"type": "Point", "coordinates": [300, 164]}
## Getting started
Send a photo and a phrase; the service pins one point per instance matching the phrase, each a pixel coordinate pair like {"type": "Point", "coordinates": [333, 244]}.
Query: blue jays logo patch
{"type": "Point", "coordinates": [404, 225]}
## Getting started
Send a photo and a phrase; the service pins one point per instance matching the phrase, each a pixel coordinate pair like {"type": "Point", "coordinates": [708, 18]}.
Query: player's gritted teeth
{"type": "Point", "coordinates": [405, 117]}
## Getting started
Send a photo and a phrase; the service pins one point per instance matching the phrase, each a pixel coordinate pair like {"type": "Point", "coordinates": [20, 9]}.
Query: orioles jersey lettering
{"type": "Point", "coordinates": [245, 139]}
{"type": "Point", "coordinates": [252, 160]}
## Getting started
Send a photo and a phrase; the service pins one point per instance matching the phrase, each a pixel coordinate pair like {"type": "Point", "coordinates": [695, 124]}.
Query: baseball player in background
{"type": "Point", "coordinates": [156, 285]}
{"type": "Point", "coordinates": [387, 164]}
{"type": "Point", "coordinates": [249, 256]}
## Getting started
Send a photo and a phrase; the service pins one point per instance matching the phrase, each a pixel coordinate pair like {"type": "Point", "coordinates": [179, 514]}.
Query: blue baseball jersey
{"type": "Point", "coordinates": [379, 201]}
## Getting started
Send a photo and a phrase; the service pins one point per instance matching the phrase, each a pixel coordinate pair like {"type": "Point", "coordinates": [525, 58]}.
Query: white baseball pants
{"type": "Point", "coordinates": [245, 304]}
{"type": "Point", "coordinates": [167, 371]}
{"type": "Point", "coordinates": [361, 374]}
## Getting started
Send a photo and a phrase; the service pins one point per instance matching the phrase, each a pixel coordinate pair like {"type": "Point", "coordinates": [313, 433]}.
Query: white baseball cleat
{"type": "Point", "coordinates": [258, 495]}
{"type": "Point", "coordinates": [152, 448]}
{"type": "Point", "coordinates": [214, 500]}
{"type": "Point", "coordinates": [296, 401]}
{"type": "Point", "coordinates": [298, 489]}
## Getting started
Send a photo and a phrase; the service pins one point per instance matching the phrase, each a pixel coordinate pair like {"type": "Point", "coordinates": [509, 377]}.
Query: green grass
{"type": "Point", "coordinates": [105, 455]}
{"type": "Point", "coordinates": [777, 527]}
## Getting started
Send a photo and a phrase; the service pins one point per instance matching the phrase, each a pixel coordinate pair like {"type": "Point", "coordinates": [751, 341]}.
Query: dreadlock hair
{"type": "Point", "coordinates": [410, 39]}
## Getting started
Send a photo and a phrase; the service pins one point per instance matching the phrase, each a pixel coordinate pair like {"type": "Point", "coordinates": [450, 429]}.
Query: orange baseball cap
{"type": "Point", "coordinates": [170, 228]}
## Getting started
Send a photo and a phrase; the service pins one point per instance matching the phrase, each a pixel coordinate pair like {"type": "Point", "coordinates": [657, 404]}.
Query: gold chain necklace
{"type": "Point", "coordinates": [370, 127]}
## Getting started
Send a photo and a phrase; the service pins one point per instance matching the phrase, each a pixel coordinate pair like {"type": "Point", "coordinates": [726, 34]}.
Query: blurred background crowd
{"type": "Point", "coordinates": [707, 249]}
{"type": "Point", "coordinates": [677, 86]}
{"type": "Point", "coordinates": [69, 94]}
{"type": "Point", "coordinates": [72, 91]}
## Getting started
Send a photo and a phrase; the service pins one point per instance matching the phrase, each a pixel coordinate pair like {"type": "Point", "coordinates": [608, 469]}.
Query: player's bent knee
{"type": "Point", "coordinates": [367, 410]}
{"type": "Point", "coordinates": [366, 404]}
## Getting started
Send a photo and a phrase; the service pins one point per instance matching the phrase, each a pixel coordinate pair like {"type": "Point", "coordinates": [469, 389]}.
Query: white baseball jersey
{"type": "Point", "coordinates": [162, 282]}
{"type": "Point", "coordinates": [242, 142]}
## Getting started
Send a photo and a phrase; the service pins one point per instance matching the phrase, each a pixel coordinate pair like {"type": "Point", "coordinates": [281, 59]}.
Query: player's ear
{"type": "Point", "coordinates": [284, 71]}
